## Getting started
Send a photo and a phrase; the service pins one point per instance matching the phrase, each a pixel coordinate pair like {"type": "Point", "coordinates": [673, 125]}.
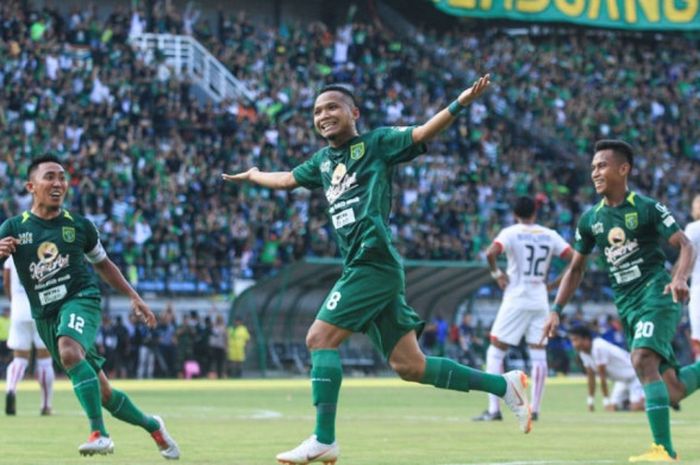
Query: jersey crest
{"type": "Point", "coordinates": [631, 220]}
{"type": "Point", "coordinates": [357, 151]}
{"type": "Point", "coordinates": [68, 233]}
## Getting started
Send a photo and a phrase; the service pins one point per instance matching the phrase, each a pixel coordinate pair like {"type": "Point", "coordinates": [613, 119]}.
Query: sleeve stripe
{"type": "Point", "coordinates": [563, 252]}
{"type": "Point", "coordinates": [501, 248]}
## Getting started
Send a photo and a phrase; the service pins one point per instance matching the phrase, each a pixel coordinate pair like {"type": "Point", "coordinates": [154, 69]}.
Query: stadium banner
{"type": "Point", "coordinates": [678, 15]}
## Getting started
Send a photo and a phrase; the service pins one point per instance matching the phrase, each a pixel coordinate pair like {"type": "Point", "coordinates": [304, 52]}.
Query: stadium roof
{"type": "Point", "coordinates": [283, 306]}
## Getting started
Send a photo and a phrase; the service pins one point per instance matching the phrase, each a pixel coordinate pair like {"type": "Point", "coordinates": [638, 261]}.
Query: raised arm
{"type": "Point", "coordinates": [271, 180]}
{"type": "Point", "coordinates": [678, 287]}
{"type": "Point", "coordinates": [569, 283]}
{"type": "Point", "coordinates": [110, 274]}
{"type": "Point", "coordinates": [445, 117]}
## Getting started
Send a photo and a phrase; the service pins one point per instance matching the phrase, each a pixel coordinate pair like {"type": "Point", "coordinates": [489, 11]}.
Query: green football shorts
{"type": "Point", "coordinates": [370, 298]}
{"type": "Point", "coordinates": [650, 321]}
{"type": "Point", "coordinates": [79, 319]}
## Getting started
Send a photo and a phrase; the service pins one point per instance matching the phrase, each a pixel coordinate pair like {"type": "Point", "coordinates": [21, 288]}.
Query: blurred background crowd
{"type": "Point", "coordinates": [145, 151]}
{"type": "Point", "coordinates": [145, 154]}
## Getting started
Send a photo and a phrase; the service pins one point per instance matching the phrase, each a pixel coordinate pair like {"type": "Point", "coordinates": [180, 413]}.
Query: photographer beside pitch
{"type": "Point", "coordinates": [355, 170]}
{"type": "Point", "coordinates": [627, 228]}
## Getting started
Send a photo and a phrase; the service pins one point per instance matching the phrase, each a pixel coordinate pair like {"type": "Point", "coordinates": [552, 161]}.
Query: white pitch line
{"type": "Point", "coordinates": [535, 462]}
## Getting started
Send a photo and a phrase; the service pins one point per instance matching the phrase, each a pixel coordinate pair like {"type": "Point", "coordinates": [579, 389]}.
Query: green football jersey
{"type": "Point", "coordinates": [50, 258]}
{"type": "Point", "coordinates": [628, 235]}
{"type": "Point", "coordinates": [357, 181]}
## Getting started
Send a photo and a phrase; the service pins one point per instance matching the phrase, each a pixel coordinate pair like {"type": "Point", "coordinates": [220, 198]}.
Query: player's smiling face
{"type": "Point", "coordinates": [334, 117]}
{"type": "Point", "coordinates": [48, 185]}
{"type": "Point", "coordinates": [608, 173]}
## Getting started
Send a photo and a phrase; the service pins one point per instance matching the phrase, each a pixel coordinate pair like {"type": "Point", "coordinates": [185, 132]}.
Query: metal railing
{"type": "Point", "coordinates": [187, 56]}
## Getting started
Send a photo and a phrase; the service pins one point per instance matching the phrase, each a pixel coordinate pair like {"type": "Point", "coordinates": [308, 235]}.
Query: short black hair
{"type": "Point", "coordinates": [342, 88]}
{"type": "Point", "coordinates": [581, 331]}
{"type": "Point", "coordinates": [39, 160]}
{"type": "Point", "coordinates": [524, 207]}
{"type": "Point", "coordinates": [620, 147]}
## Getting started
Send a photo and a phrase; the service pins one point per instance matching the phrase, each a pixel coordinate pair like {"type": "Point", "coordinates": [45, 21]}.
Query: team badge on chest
{"type": "Point", "coordinates": [357, 151]}
{"type": "Point", "coordinates": [631, 220]}
{"type": "Point", "coordinates": [68, 233]}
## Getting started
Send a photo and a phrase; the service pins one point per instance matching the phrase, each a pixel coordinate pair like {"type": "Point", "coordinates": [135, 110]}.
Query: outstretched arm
{"type": "Point", "coordinates": [271, 180]}
{"type": "Point", "coordinates": [446, 116]}
{"type": "Point", "coordinates": [110, 274]}
{"type": "Point", "coordinates": [569, 283]}
{"type": "Point", "coordinates": [678, 287]}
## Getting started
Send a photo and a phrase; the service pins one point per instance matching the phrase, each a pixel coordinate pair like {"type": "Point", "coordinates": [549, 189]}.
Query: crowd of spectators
{"type": "Point", "coordinates": [144, 154]}
{"type": "Point", "coordinates": [194, 346]}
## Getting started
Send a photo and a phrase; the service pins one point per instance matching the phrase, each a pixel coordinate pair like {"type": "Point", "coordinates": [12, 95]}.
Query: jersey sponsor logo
{"type": "Point", "coordinates": [25, 238]}
{"type": "Point", "coordinates": [631, 220]}
{"type": "Point", "coordinates": [341, 182]}
{"type": "Point", "coordinates": [401, 128]}
{"type": "Point", "coordinates": [357, 151]}
{"type": "Point", "coordinates": [598, 228]}
{"type": "Point", "coordinates": [68, 233]}
{"type": "Point", "coordinates": [50, 262]}
{"type": "Point", "coordinates": [343, 218]}
{"type": "Point", "coordinates": [616, 236]}
{"type": "Point", "coordinates": [325, 166]}
{"type": "Point", "coordinates": [620, 248]}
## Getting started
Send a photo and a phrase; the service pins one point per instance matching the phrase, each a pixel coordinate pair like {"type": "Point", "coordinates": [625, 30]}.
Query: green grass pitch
{"type": "Point", "coordinates": [381, 422]}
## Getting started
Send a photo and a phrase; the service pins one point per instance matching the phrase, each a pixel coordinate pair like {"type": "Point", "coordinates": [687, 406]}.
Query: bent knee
{"type": "Point", "coordinates": [70, 357]}
{"type": "Point", "coordinates": [408, 371]}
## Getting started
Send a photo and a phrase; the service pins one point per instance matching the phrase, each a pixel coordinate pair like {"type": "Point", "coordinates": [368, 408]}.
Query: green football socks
{"type": "Point", "coordinates": [87, 390]}
{"type": "Point", "coordinates": [657, 401]}
{"type": "Point", "coordinates": [690, 375]}
{"type": "Point", "coordinates": [121, 408]}
{"type": "Point", "coordinates": [444, 373]}
{"type": "Point", "coordinates": [326, 377]}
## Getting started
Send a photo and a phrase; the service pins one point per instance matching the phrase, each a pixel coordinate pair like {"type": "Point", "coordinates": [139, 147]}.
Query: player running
{"type": "Point", "coordinates": [692, 230]}
{"type": "Point", "coordinates": [627, 228]}
{"type": "Point", "coordinates": [608, 361]}
{"type": "Point", "coordinates": [49, 246]}
{"type": "Point", "coordinates": [23, 334]}
{"type": "Point", "coordinates": [355, 171]}
{"type": "Point", "coordinates": [529, 249]}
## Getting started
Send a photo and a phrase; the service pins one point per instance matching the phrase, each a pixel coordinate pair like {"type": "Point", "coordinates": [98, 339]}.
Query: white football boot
{"type": "Point", "coordinates": [516, 398]}
{"type": "Point", "coordinates": [97, 444]}
{"type": "Point", "coordinates": [311, 451]}
{"type": "Point", "coordinates": [167, 445]}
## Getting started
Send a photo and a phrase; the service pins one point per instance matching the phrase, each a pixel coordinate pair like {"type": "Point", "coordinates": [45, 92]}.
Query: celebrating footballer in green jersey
{"type": "Point", "coordinates": [355, 171]}
{"type": "Point", "coordinates": [627, 228]}
{"type": "Point", "coordinates": [50, 246]}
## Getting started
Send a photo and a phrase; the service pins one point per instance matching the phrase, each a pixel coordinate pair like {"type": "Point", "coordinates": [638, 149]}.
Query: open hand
{"type": "Point", "coordinates": [678, 289]}
{"type": "Point", "coordinates": [240, 177]}
{"type": "Point", "coordinates": [142, 311]}
{"type": "Point", "coordinates": [475, 91]}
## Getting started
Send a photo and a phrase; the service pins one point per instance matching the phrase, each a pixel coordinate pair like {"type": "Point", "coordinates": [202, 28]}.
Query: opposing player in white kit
{"type": "Point", "coordinates": [529, 249]}
{"type": "Point", "coordinates": [23, 334]}
{"type": "Point", "coordinates": [693, 233]}
{"type": "Point", "coordinates": [607, 361]}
